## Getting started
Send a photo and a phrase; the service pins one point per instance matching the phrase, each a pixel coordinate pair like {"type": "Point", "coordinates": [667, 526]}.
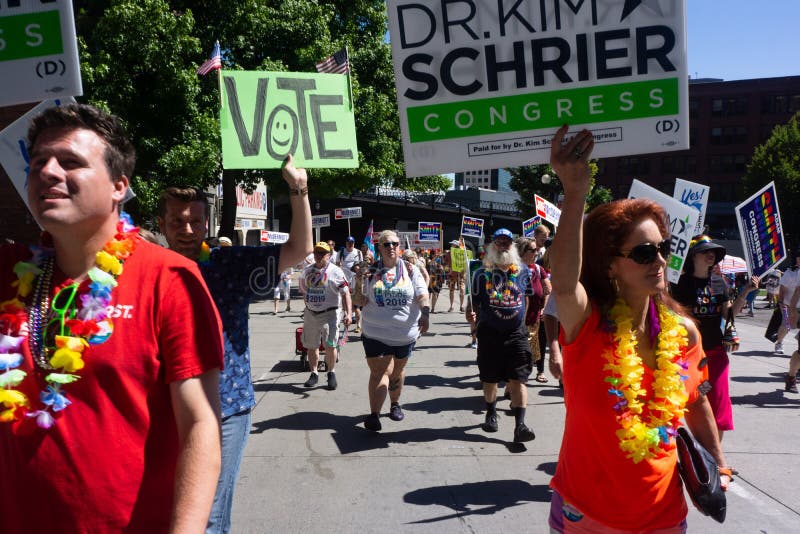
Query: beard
{"type": "Point", "coordinates": [501, 259]}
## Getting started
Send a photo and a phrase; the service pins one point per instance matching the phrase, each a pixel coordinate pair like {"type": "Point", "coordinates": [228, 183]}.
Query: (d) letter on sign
{"type": "Point", "coordinates": [267, 115]}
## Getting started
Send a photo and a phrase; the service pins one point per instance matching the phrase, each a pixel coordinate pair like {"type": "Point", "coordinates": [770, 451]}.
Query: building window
{"type": "Point", "coordinates": [691, 165]}
{"type": "Point", "coordinates": [634, 166]}
{"type": "Point", "coordinates": [694, 108]}
{"type": "Point", "coordinates": [775, 104]}
{"type": "Point", "coordinates": [729, 107]}
{"type": "Point", "coordinates": [716, 136]}
{"type": "Point", "coordinates": [730, 135]}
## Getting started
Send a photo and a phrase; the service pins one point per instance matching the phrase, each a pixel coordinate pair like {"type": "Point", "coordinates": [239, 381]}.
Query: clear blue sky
{"type": "Point", "coordinates": [740, 39]}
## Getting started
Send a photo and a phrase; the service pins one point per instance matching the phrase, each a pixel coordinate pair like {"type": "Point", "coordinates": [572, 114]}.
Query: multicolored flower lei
{"type": "Point", "coordinates": [494, 292]}
{"type": "Point", "coordinates": [639, 437]}
{"type": "Point", "coordinates": [81, 325]}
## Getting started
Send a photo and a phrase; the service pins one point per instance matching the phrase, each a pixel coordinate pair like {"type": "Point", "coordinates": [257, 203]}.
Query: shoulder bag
{"type": "Point", "coordinates": [700, 475]}
{"type": "Point", "coordinates": [730, 339]}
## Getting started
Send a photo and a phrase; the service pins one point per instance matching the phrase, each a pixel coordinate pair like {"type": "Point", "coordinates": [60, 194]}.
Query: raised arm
{"type": "Point", "coordinates": [570, 161]}
{"type": "Point", "coordinates": [300, 242]}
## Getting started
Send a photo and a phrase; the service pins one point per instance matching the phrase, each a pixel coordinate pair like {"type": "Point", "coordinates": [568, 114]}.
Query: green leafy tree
{"type": "Point", "coordinates": [527, 181]}
{"type": "Point", "coordinates": [125, 68]}
{"type": "Point", "coordinates": [138, 58]}
{"type": "Point", "coordinates": [778, 159]}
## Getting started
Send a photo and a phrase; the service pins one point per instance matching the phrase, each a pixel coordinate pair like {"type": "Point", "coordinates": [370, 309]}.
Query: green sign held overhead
{"type": "Point", "coordinates": [267, 115]}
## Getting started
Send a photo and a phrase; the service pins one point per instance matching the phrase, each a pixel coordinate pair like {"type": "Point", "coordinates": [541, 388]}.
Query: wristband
{"type": "Point", "coordinates": [729, 471]}
{"type": "Point", "coordinates": [299, 192]}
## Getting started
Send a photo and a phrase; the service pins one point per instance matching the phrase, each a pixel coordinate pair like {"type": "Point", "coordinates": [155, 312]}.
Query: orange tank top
{"type": "Point", "coordinates": [593, 474]}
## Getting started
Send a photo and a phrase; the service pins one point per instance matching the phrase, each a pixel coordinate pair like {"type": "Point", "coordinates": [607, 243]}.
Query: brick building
{"type": "Point", "coordinates": [727, 120]}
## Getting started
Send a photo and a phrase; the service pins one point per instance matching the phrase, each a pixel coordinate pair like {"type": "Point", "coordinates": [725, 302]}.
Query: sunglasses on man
{"type": "Point", "coordinates": [646, 253]}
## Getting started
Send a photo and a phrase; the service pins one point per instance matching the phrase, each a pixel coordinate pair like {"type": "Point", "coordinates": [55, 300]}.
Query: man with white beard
{"type": "Point", "coordinates": [500, 293]}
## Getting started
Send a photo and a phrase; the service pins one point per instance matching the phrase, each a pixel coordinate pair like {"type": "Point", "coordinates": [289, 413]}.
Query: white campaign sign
{"type": "Point", "coordinates": [38, 51]}
{"type": "Point", "coordinates": [694, 195]}
{"type": "Point", "coordinates": [547, 210]}
{"type": "Point", "coordinates": [347, 213]}
{"type": "Point", "coordinates": [274, 237]}
{"type": "Point", "coordinates": [484, 84]}
{"type": "Point", "coordinates": [682, 221]}
{"type": "Point", "coordinates": [14, 146]}
{"type": "Point", "coordinates": [321, 221]}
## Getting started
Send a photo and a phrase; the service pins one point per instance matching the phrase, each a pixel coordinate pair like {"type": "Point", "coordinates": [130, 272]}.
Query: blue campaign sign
{"type": "Point", "coordinates": [472, 227]}
{"type": "Point", "coordinates": [761, 231]}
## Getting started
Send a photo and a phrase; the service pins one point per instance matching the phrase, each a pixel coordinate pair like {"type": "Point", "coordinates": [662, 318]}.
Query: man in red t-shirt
{"type": "Point", "coordinates": [116, 428]}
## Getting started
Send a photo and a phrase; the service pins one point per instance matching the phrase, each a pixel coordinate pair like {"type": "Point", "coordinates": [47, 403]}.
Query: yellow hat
{"type": "Point", "coordinates": [322, 246]}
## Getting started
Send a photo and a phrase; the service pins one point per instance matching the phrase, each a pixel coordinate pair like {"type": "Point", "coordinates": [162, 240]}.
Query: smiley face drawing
{"type": "Point", "coordinates": [282, 132]}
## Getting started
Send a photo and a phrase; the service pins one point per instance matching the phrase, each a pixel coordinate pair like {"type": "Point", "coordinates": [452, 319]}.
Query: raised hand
{"type": "Point", "coordinates": [296, 178]}
{"type": "Point", "coordinates": [570, 160]}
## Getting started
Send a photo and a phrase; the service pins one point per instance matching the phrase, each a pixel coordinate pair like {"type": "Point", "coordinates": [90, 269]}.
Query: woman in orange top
{"type": "Point", "coordinates": [631, 363]}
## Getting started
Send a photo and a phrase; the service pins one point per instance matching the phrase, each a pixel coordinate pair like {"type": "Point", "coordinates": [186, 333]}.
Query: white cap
{"type": "Point", "coordinates": [225, 241]}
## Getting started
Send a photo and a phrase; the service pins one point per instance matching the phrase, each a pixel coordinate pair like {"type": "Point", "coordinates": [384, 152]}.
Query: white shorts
{"type": "Point", "coordinates": [281, 288]}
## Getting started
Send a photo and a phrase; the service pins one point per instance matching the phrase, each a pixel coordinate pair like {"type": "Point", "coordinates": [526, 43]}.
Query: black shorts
{"type": "Point", "coordinates": [503, 355]}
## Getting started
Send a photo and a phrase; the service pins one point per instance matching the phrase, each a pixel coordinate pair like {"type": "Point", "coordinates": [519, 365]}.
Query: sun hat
{"type": "Point", "coordinates": [323, 246]}
{"type": "Point", "coordinates": [703, 243]}
{"type": "Point", "coordinates": [502, 232]}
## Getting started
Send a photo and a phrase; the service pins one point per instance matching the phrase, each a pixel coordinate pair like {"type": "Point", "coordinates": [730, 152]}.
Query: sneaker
{"type": "Point", "coordinates": [332, 381]}
{"type": "Point", "coordinates": [312, 380]}
{"type": "Point", "coordinates": [778, 348]}
{"type": "Point", "coordinates": [357, 330]}
{"type": "Point", "coordinates": [490, 424]}
{"type": "Point", "coordinates": [396, 412]}
{"type": "Point", "coordinates": [372, 422]}
{"type": "Point", "coordinates": [473, 345]}
{"type": "Point", "coordinates": [523, 433]}
{"type": "Point", "coordinates": [791, 384]}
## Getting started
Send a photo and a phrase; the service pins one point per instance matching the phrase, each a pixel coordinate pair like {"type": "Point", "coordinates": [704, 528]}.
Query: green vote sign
{"type": "Point", "coordinates": [267, 115]}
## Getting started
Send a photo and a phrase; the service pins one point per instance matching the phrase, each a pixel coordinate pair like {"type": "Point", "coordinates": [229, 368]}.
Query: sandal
{"type": "Point", "coordinates": [541, 378]}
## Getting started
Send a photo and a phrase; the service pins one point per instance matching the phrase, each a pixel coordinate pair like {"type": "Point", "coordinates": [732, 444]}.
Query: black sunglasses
{"type": "Point", "coordinates": [647, 253]}
{"type": "Point", "coordinates": [391, 244]}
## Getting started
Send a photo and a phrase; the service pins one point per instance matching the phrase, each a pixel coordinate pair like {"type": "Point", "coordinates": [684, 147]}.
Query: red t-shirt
{"type": "Point", "coordinates": [593, 474]}
{"type": "Point", "coordinates": [108, 463]}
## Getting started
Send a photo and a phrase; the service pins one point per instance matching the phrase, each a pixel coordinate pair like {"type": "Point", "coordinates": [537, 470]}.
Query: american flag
{"type": "Point", "coordinates": [214, 62]}
{"type": "Point", "coordinates": [338, 63]}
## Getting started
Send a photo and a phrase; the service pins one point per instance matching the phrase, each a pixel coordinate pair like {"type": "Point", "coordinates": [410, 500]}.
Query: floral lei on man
{"type": "Point", "coordinates": [498, 293]}
{"type": "Point", "coordinates": [83, 322]}
{"type": "Point", "coordinates": [646, 438]}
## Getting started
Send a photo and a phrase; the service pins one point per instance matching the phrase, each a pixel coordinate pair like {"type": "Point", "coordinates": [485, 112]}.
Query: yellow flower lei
{"type": "Point", "coordinates": [644, 439]}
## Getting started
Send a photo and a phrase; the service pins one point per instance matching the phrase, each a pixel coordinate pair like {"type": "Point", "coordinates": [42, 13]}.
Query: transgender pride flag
{"type": "Point", "coordinates": [368, 239]}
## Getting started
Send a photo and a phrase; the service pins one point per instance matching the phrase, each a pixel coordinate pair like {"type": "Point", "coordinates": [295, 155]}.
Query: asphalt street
{"type": "Point", "coordinates": [310, 466]}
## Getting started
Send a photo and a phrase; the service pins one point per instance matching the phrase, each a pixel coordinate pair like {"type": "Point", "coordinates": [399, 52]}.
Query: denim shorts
{"type": "Point", "coordinates": [374, 348]}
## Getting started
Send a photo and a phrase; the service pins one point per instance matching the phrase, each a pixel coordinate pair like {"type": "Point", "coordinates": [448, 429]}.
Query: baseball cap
{"type": "Point", "coordinates": [703, 243]}
{"type": "Point", "coordinates": [225, 242]}
{"type": "Point", "coordinates": [322, 246]}
{"type": "Point", "coordinates": [351, 239]}
{"type": "Point", "coordinates": [455, 243]}
{"type": "Point", "coordinates": [502, 232]}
